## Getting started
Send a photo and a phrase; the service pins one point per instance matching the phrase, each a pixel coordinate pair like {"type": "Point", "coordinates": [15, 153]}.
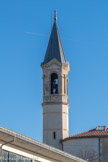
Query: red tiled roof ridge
{"type": "Point", "coordinates": [83, 132]}
{"type": "Point", "coordinates": [90, 133]}
{"type": "Point", "coordinates": [79, 133]}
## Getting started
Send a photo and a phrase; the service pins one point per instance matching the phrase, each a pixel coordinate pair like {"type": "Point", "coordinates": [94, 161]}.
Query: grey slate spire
{"type": "Point", "coordinates": [54, 49]}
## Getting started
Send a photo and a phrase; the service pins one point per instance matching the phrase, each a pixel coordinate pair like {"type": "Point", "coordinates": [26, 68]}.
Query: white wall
{"type": "Point", "coordinates": [83, 147]}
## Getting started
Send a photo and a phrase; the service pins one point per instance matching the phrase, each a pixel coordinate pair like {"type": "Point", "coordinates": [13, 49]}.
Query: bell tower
{"type": "Point", "coordinates": [55, 91]}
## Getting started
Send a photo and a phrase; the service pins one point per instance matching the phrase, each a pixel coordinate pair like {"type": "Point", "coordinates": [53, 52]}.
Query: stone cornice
{"type": "Point", "coordinates": [55, 103]}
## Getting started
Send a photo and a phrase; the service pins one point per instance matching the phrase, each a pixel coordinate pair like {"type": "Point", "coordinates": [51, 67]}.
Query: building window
{"type": "Point", "coordinates": [11, 157]}
{"type": "Point", "coordinates": [28, 160]}
{"type": "Point", "coordinates": [64, 84]}
{"type": "Point", "coordinates": [5, 156]}
{"type": "Point", "coordinates": [54, 135]}
{"type": "Point", "coordinates": [67, 86]}
{"type": "Point", "coordinates": [20, 158]}
{"type": "Point", "coordinates": [54, 83]}
{"type": "Point", "coordinates": [101, 128]}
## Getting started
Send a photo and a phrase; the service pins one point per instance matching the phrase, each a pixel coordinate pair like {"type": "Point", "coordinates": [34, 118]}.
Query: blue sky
{"type": "Point", "coordinates": [25, 27]}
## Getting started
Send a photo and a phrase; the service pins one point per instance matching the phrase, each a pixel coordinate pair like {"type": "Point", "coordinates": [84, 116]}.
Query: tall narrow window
{"type": "Point", "coordinates": [54, 83]}
{"type": "Point", "coordinates": [12, 157]}
{"type": "Point", "coordinates": [54, 135]}
{"type": "Point", "coordinates": [5, 156]}
{"type": "Point", "coordinates": [67, 86]}
{"type": "Point", "coordinates": [64, 84]}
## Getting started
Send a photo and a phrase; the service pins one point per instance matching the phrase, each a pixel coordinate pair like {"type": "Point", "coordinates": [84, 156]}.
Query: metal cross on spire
{"type": "Point", "coordinates": [55, 15]}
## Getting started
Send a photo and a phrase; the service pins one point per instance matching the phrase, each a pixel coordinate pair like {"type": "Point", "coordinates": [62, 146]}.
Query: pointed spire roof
{"type": "Point", "coordinates": [54, 49]}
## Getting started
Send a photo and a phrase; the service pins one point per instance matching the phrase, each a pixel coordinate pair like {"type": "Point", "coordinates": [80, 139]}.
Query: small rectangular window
{"type": "Point", "coordinates": [101, 128]}
{"type": "Point", "coordinates": [64, 84]}
{"type": "Point", "coordinates": [54, 135]}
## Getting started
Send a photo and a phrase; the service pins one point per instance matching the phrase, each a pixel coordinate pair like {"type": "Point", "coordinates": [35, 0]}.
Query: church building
{"type": "Point", "coordinates": [91, 145]}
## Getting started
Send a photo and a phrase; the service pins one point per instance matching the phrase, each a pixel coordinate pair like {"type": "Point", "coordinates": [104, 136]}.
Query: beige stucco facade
{"type": "Point", "coordinates": [55, 106]}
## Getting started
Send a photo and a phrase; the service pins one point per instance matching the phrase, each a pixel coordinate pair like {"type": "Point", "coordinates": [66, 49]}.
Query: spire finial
{"type": "Point", "coordinates": [55, 15]}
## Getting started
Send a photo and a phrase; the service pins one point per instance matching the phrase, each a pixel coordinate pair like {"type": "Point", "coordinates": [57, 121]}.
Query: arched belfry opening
{"type": "Point", "coordinates": [54, 83]}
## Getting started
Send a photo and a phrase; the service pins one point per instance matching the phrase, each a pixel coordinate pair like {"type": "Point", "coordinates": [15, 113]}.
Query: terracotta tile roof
{"type": "Point", "coordinates": [99, 131]}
